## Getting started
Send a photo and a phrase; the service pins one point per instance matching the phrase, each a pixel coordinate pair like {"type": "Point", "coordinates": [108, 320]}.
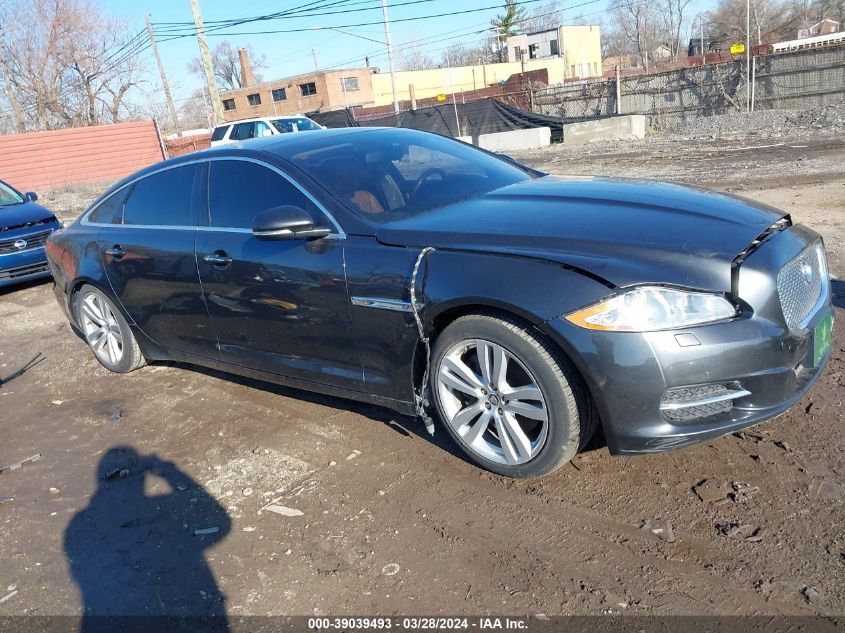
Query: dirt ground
{"type": "Point", "coordinates": [388, 520]}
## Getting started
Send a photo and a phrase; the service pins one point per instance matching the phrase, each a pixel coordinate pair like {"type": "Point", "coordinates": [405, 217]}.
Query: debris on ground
{"type": "Point", "coordinates": [23, 462]}
{"type": "Point", "coordinates": [8, 595]}
{"type": "Point", "coordinates": [6, 500]}
{"type": "Point", "coordinates": [711, 490]}
{"type": "Point", "coordinates": [829, 490]}
{"type": "Point", "coordinates": [391, 569]}
{"type": "Point", "coordinates": [115, 415]}
{"type": "Point", "coordinates": [204, 531]}
{"type": "Point", "coordinates": [283, 510]}
{"type": "Point", "coordinates": [748, 533]}
{"type": "Point", "coordinates": [811, 595]}
{"type": "Point", "coordinates": [353, 454]}
{"type": "Point", "coordinates": [117, 473]}
{"type": "Point", "coordinates": [54, 490]}
{"type": "Point", "coordinates": [662, 529]}
{"type": "Point", "coordinates": [741, 492]}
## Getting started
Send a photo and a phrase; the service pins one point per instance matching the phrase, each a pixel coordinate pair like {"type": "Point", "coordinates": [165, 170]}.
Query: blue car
{"type": "Point", "coordinates": [24, 228]}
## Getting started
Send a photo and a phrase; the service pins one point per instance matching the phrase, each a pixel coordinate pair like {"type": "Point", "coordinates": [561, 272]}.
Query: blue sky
{"type": "Point", "coordinates": [290, 53]}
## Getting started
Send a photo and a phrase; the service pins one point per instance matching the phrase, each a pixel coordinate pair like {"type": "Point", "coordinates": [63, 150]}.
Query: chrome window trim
{"type": "Point", "coordinates": [339, 234]}
{"type": "Point", "coordinates": [395, 305]}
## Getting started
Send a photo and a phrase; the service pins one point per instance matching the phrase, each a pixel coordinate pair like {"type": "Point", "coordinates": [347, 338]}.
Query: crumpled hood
{"type": "Point", "coordinates": [625, 231]}
{"type": "Point", "coordinates": [20, 215]}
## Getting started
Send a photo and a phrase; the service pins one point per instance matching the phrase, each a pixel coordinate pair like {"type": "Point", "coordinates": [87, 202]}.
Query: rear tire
{"type": "Point", "coordinates": [507, 396]}
{"type": "Point", "coordinates": [106, 331]}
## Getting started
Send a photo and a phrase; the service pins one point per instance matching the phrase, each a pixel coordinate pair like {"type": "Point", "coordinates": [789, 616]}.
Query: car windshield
{"type": "Point", "coordinates": [295, 124]}
{"type": "Point", "coordinates": [8, 195]}
{"type": "Point", "coordinates": [388, 175]}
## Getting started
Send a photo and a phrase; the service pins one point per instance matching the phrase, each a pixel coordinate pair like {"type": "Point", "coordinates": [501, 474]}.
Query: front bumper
{"type": "Point", "coordinates": [770, 365]}
{"type": "Point", "coordinates": [25, 266]}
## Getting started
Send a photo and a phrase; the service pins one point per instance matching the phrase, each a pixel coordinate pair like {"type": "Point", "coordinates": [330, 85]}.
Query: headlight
{"type": "Point", "coordinates": [649, 308]}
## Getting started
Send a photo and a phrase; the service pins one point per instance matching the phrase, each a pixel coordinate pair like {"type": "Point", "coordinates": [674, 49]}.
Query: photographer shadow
{"type": "Point", "coordinates": [137, 551]}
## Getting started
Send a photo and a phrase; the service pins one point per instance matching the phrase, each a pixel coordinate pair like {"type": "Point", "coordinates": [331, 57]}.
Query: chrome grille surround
{"type": "Point", "coordinates": [695, 403]}
{"type": "Point", "coordinates": [33, 240]}
{"type": "Point", "coordinates": [802, 285]}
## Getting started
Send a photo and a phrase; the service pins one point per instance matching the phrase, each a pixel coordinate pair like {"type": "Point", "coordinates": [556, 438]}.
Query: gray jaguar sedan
{"type": "Point", "coordinates": [517, 309]}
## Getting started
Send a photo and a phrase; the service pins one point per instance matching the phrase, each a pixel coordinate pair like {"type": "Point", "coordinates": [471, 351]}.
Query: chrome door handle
{"type": "Point", "coordinates": [115, 251]}
{"type": "Point", "coordinates": [218, 260]}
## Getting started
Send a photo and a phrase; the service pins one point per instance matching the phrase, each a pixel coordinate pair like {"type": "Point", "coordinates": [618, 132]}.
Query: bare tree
{"type": "Point", "coordinates": [412, 57]}
{"type": "Point", "coordinates": [460, 55]}
{"type": "Point", "coordinates": [227, 65]}
{"type": "Point", "coordinates": [671, 17]}
{"type": "Point", "coordinates": [637, 24]}
{"type": "Point", "coordinates": [542, 18]}
{"type": "Point", "coordinates": [68, 63]}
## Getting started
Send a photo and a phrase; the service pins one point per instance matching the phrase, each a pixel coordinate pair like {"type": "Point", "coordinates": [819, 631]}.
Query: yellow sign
{"type": "Point", "coordinates": [737, 49]}
{"type": "Point", "coordinates": [441, 97]}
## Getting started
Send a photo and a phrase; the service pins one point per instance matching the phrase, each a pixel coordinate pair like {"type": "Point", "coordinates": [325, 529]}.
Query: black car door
{"type": "Point", "coordinates": [148, 252]}
{"type": "Point", "coordinates": [276, 306]}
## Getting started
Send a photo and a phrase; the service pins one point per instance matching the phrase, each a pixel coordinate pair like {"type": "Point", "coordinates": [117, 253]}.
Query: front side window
{"type": "Point", "coordinates": [308, 89]}
{"type": "Point", "coordinates": [243, 131]}
{"type": "Point", "coordinates": [254, 99]}
{"type": "Point", "coordinates": [8, 195]}
{"type": "Point", "coordinates": [228, 104]}
{"type": "Point", "coordinates": [386, 175]}
{"type": "Point", "coordinates": [239, 190]}
{"type": "Point", "coordinates": [279, 94]}
{"type": "Point", "coordinates": [220, 132]}
{"type": "Point", "coordinates": [163, 199]}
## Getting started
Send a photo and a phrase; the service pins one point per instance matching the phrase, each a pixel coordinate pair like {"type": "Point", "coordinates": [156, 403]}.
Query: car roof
{"type": "Point", "coordinates": [264, 118]}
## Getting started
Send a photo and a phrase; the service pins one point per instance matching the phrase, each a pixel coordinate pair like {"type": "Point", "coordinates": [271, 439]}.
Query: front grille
{"type": "Point", "coordinates": [23, 271]}
{"type": "Point", "coordinates": [801, 283]}
{"type": "Point", "coordinates": [33, 240]}
{"type": "Point", "coordinates": [697, 403]}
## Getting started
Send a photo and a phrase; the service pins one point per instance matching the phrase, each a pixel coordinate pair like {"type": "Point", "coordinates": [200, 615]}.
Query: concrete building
{"type": "Point", "coordinates": [578, 46]}
{"type": "Point", "coordinates": [328, 90]}
{"type": "Point", "coordinates": [368, 87]}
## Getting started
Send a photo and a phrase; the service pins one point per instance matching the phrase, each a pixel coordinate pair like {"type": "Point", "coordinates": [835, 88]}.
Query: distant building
{"type": "Point", "coordinates": [579, 47]}
{"type": "Point", "coordinates": [825, 27]}
{"type": "Point", "coordinates": [351, 87]}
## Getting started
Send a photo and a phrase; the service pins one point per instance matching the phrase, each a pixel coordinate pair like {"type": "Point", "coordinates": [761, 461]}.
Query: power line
{"type": "Point", "coordinates": [346, 26]}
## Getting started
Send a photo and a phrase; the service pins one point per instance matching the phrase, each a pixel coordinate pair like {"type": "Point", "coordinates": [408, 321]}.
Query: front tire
{"type": "Point", "coordinates": [507, 396]}
{"type": "Point", "coordinates": [106, 331]}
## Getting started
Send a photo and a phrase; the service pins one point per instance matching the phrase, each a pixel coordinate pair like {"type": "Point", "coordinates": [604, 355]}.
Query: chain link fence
{"type": "Point", "coordinates": [795, 80]}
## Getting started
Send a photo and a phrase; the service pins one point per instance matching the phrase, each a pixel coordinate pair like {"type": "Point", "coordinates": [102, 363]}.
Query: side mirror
{"type": "Point", "coordinates": [286, 223]}
{"type": "Point", "coordinates": [30, 196]}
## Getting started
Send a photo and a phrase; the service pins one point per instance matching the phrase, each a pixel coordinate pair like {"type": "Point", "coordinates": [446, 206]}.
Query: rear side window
{"type": "Point", "coordinates": [243, 131]}
{"type": "Point", "coordinates": [163, 199]}
{"type": "Point", "coordinates": [109, 211]}
{"type": "Point", "coordinates": [220, 132]}
{"type": "Point", "coordinates": [239, 190]}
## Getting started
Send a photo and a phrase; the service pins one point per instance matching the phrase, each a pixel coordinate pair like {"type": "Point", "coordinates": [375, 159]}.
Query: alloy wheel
{"type": "Point", "coordinates": [101, 329]}
{"type": "Point", "coordinates": [492, 402]}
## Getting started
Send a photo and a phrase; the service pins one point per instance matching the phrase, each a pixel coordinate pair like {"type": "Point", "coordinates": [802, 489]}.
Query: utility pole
{"type": "Point", "coordinates": [748, 55]}
{"type": "Point", "coordinates": [205, 55]}
{"type": "Point", "coordinates": [10, 91]}
{"type": "Point", "coordinates": [390, 56]}
{"type": "Point", "coordinates": [314, 56]}
{"type": "Point", "coordinates": [701, 32]}
{"type": "Point", "coordinates": [170, 106]}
